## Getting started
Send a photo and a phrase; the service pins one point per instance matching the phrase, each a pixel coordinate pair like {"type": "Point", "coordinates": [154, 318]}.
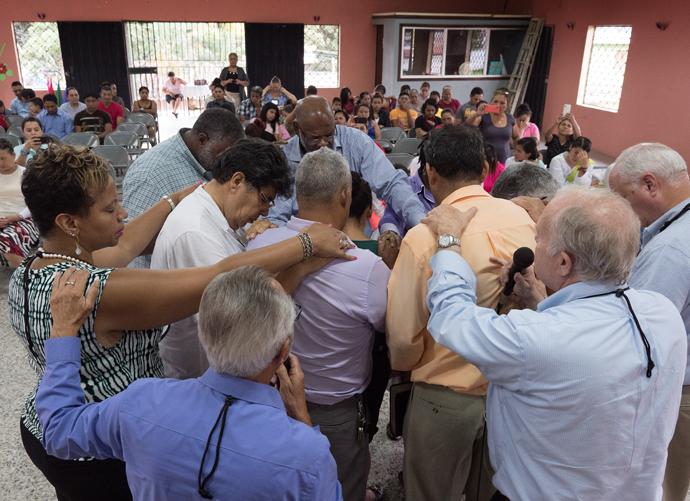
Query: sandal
{"type": "Point", "coordinates": [389, 432]}
{"type": "Point", "coordinates": [377, 489]}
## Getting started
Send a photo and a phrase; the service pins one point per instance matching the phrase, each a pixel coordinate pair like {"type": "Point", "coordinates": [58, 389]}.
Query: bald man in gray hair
{"type": "Point", "coordinates": [654, 179]}
{"type": "Point", "coordinates": [584, 390]}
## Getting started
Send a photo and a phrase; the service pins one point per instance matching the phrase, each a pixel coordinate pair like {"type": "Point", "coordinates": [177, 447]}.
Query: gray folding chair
{"type": "Point", "coordinates": [16, 130]}
{"type": "Point", "coordinates": [82, 139]}
{"type": "Point", "coordinates": [116, 155]}
{"type": "Point", "coordinates": [392, 134]}
{"type": "Point", "coordinates": [15, 120]}
{"type": "Point", "coordinates": [407, 145]}
{"type": "Point", "coordinates": [139, 129]}
{"type": "Point", "coordinates": [14, 140]}
{"type": "Point", "coordinates": [400, 158]}
{"type": "Point", "coordinates": [128, 140]}
{"type": "Point", "coordinates": [147, 120]}
{"type": "Point", "coordinates": [126, 112]}
{"type": "Point", "coordinates": [412, 132]}
{"type": "Point", "coordinates": [385, 144]}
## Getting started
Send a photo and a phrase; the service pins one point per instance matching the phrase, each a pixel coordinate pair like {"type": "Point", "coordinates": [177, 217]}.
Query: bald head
{"type": "Point", "coordinates": [314, 123]}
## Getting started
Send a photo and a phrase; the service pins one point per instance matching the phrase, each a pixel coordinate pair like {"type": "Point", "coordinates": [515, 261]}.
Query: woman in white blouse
{"type": "Point", "coordinates": [574, 166]}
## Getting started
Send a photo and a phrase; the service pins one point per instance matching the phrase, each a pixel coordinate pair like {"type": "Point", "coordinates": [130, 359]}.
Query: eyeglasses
{"type": "Point", "coordinates": [315, 140]}
{"type": "Point", "coordinates": [265, 202]}
{"type": "Point", "coordinates": [298, 311]}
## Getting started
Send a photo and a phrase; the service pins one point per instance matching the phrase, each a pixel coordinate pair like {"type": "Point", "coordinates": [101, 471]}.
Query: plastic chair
{"type": "Point", "coordinates": [137, 128]}
{"type": "Point", "coordinates": [14, 120]}
{"type": "Point", "coordinates": [116, 155]}
{"type": "Point", "coordinates": [392, 134]}
{"type": "Point", "coordinates": [13, 140]}
{"type": "Point", "coordinates": [400, 158]}
{"type": "Point", "coordinates": [407, 145]}
{"type": "Point", "coordinates": [16, 130]}
{"type": "Point", "coordinates": [128, 140]}
{"type": "Point", "coordinates": [412, 133]}
{"type": "Point", "coordinates": [126, 112]}
{"type": "Point", "coordinates": [385, 144]}
{"type": "Point", "coordinates": [147, 120]}
{"type": "Point", "coordinates": [82, 139]}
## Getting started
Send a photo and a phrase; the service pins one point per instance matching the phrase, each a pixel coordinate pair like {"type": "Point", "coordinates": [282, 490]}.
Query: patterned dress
{"type": "Point", "coordinates": [19, 237]}
{"type": "Point", "coordinates": [104, 371]}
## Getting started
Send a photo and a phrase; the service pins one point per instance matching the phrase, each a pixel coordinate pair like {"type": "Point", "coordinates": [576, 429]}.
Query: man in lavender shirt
{"type": "Point", "coordinates": [343, 305]}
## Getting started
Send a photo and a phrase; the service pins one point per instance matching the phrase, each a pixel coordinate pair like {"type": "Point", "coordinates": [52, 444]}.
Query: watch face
{"type": "Point", "coordinates": [444, 241]}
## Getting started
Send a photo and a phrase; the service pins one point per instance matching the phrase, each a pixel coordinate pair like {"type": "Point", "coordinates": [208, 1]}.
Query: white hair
{"type": "Point", "coordinates": [599, 230]}
{"type": "Point", "coordinates": [651, 158]}
{"type": "Point", "coordinates": [449, 87]}
{"type": "Point", "coordinates": [525, 179]}
{"type": "Point", "coordinates": [244, 321]}
{"type": "Point", "coordinates": [321, 175]}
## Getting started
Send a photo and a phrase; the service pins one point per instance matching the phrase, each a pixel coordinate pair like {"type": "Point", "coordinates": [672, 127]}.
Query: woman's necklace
{"type": "Point", "coordinates": [45, 255]}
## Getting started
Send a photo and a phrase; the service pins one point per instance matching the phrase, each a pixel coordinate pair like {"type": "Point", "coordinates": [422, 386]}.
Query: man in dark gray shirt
{"type": "Point", "coordinates": [464, 111]}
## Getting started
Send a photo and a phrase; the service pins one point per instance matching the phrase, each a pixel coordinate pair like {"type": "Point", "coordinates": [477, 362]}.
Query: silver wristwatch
{"type": "Point", "coordinates": [445, 241]}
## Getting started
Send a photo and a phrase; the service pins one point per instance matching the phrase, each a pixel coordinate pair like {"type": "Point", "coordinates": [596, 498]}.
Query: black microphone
{"type": "Point", "coordinates": [522, 259]}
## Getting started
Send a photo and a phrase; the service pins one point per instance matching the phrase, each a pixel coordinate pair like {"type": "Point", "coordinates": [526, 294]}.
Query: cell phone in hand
{"type": "Point", "coordinates": [46, 140]}
{"type": "Point", "coordinates": [566, 109]}
{"type": "Point", "coordinates": [491, 108]}
{"type": "Point", "coordinates": [361, 120]}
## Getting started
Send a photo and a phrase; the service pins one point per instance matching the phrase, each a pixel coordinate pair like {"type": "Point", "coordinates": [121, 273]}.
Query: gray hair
{"type": "Point", "coordinates": [525, 179]}
{"type": "Point", "coordinates": [414, 91]}
{"type": "Point", "coordinates": [321, 175]}
{"type": "Point", "coordinates": [651, 158]}
{"type": "Point", "coordinates": [599, 230]}
{"type": "Point", "coordinates": [244, 321]}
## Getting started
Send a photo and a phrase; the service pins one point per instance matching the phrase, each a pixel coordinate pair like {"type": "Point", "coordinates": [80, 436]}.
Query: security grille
{"type": "Point", "coordinates": [606, 67]}
{"type": "Point", "coordinates": [478, 52]}
{"type": "Point", "coordinates": [40, 56]}
{"type": "Point", "coordinates": [322, 55]}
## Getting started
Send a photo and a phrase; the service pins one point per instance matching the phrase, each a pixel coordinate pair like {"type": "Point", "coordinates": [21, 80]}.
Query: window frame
{"type": "Point", "coordinates": [586, 59]}
{"type": "Point", "coordinates": [340, 38]}
{"type": "Point", "coordinates": [446, 27]}
{"type": "Point", "coordinates": [20, 69]}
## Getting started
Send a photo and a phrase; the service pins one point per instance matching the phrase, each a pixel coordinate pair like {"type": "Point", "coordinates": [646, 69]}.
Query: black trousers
{"type": "Point", "coordinates": [499, 497]}
{"type": "Point", "coordinates": [380, 374]}
{"type": "Point", "coordinates": [103, 480]}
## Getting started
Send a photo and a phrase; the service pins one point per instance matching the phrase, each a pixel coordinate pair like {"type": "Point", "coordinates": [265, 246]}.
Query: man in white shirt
{"type": "Point", "coordinates": [207, 227]}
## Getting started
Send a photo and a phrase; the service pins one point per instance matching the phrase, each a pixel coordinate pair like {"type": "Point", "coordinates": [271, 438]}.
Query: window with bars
{"type": "Point", "coordinates": [603, 66]}
{"type": "Point", "coordinates": [458, 53]}
{"type": "Point", "coordinates": [40, 55]}
{"type": "Point", "coordinates": [322, 55]}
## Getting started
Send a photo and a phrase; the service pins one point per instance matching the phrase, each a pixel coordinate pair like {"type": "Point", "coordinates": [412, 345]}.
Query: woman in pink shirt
{"type": "Point", "coordinates": [173, 91]}
{"type": "Point", "coordinates": [527, 129]}
{"type": "Point", "coordinates": [270, 115]}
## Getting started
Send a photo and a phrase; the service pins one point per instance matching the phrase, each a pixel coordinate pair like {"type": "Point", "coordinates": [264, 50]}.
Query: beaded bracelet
{"type": "Point", "coordinates": [307, 245]}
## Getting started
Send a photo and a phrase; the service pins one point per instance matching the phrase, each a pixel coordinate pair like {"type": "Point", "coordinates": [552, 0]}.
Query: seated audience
{"type": "Point", "coordinates": [464, 111]}
{"type": "Point", "coordinates": [36, 107]}
{"type": "Point", "coordinates": [372, 128]}
{"type": "Point", "coordinates": [427, 120]}
{"type": "Point", "coordinates": [73, 105]}
{"type": "Point", "coordinates": [55, 121]}
{"type": "Point", "coordinates": [389, 102]}
{"type": "Point", "coordinates": [444, 423]}
{"type": "Point", "coordinates": [447, 118]}
{"type": "Point", "coordinates": [116, 99]}
{"type": "Point", "coordinates": [219, 99]}
{"type": "Point", "coordinates": [17, 105]}
{"type": "Point", "coordinates": [341, 117]}
{"type": "Point", "coordinates": [497, 128]}
{"type": "Point", "coordinates": [424, 91]}
{"type": "Point", "coordinates": [365, 98]}
{"type": "Point", "coordinates": [92, 119]}
{"type": "Point", "coordinates": [447, 100]}
{"type": "Point", "coordinates": [493, 168]}
{"type": "Point", "coordinates": [315, 128]}
{"type": "Point", "coordinates": [116, 112]}
{"type": "Point", "coordinates": [277, 94]}
{"type": "Point", "coordinates": [270, 115]}
{"type": "Point", "coordinates": [214, 82]}
{"type": "Point", "coordinates": [234, 79]}
{"type": "Point", "coordinates": [347, 100]}
{"type": "Point", "coordinates": [251, 108]}
{"type": "Point", "coordinates": [654, 179]}
{"type": "Point", "coordinates": [337, 104]}
{"type": "Point", "coordinates": [414, 100]}
{"type": "Point", "coordinates": [378, 114]}
{"type": "Point", "coordinates": [263, 422]}
{"type": "Point", "coordinates": [3, 120]}
{"type": "Point", "coordinates": [574, 166]}
{"type": "Point", "coordinates": [527, 129]}
{"type": "Point", "coordinates": [286, 113]}
{"type": "Point", "coordinates": [82, 226]}
{"type": "Point", "coordinates": [525, 179]}
{"type": "Point", "coordinates": [403, 116]}
{"type": "Point", "coordinates": [312, 91]}
{"type": "Point", "coordinates": [184, 159]}
{"type": "Point", "coordinates": [567, 130]}
{"type": "Point", "coordinates": [146, 105]}
{"type": "Point", "coordinates": [173, 91]}
{"type": "Point", "coordinates": [26, 95]}
{"type": "Point", "coordinates": [207, 227]}
{"type": "Point", "coordinates": [4, 111]}
{"type": "Point", "coordinates": [32, 130]}
{"type": "Point", "coordinates": [585, 347]}
{"type": "Point", "coordinates": [18, 233]}
{"type": "Point", "coordinates": [526, 150]}
{"type": "Point", "coordinates": [257, 128]}
{"type": "Point", "coordinates": [343, 305]}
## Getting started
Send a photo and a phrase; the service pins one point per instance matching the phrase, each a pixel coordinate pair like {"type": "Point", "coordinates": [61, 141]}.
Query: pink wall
{"type": "Point", "coordinates": [357, 42]}
{"type": "Point", "coordinates": [652, 106]}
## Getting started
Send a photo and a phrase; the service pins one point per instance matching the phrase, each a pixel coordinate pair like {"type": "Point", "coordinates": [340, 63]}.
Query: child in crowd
{"type": "Point", "coordinates": [35, 106]}
{"type": "Point", "coordinates": [526, 149]}
{"type": "Point", "coordinates": [495, 168]}
{"type": "Point", "coordinates": [341, 117]}
{"type": "Point", "coordinates": [337, 104]}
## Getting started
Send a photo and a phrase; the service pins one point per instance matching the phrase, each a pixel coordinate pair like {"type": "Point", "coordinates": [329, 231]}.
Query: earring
{"type": "Point", "coordinates": [78, 250]}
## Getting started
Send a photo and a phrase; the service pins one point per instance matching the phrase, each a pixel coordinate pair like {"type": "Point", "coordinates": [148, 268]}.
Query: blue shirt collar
{"type": "Point", "coordinates": [653, 229]}
{"type": "Point", "coordinates": [242, 389]}
{"type": "Point", "coordinates": [576, 291]}
{"type": "Point", "coordinates": [418, 187]}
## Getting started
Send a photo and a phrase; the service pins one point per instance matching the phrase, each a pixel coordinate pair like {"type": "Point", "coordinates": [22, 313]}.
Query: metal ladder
{"type": "Point", "coordinates": [523, 67]}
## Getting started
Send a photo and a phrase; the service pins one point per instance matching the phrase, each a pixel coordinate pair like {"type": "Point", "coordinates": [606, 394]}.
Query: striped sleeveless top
{"type": "Point", "coordinates": [104, 371]}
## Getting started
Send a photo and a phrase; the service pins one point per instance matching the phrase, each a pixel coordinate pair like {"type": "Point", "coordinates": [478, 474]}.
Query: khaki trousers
{"type": "Point", "coordinates": [677, 478]}
{"type": "Point", "coordinates": [443, 434]}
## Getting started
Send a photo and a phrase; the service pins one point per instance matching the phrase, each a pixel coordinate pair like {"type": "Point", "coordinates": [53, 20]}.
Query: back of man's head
{"type": "Point", "coordinates": [262, 163]}
{"type": "Point", "coordinates": [28, 94]}
{"type": "Point", "coordinates": [651, 158]}
{"type": "Point", "coordinates": [456, 152]}
{"type": "Point", "coordinates": [525, 179]}
{"type": "Point", "coordinates": [218, 125]}
{"type": "Point", "coordinates": [311, 90]}
{"type": "Point", "coordinates": [244, 321]}
{"type": "Point", "coordinates": [321, 175]}
{"type": "Point", "coordinates": [597, 229]}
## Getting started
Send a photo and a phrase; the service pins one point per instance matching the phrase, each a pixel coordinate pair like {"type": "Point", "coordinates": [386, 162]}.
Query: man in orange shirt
{"type": "Point", "coordinates": [444, 424]}
{"type": "Point", "coordinates": [403, 116]}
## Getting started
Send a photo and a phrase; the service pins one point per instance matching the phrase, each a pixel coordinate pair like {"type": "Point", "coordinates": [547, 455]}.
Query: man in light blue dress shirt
{"type": "Point", "coordinates": [654, 179]}
{"type": "Point", "coordinates": [16, 103]}
{"type": "Point", "coordinates": [225, 435]}
{"type": "Point", "coordinates": [315, 128]}
{"type": "Point", "coordinates": [55, 121]}
{"type": "Point", "coordinates": [584, 391]}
